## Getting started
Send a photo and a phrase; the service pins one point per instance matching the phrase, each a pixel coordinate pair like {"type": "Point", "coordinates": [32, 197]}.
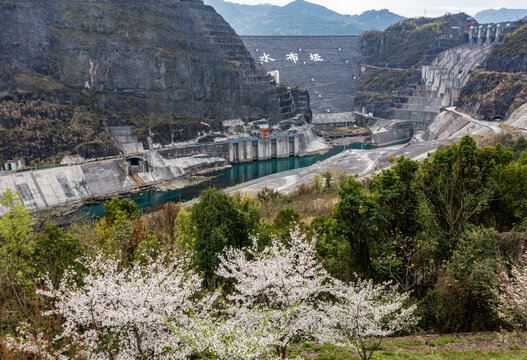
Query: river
{"type": "Point", "coordinates": [237, 174]}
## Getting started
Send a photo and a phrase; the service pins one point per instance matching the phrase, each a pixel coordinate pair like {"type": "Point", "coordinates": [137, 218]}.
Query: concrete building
{"type": "Point", "coordinates": [12, 165]}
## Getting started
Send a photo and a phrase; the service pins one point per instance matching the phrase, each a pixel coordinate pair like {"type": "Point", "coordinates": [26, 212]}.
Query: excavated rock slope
{"type": "Point", "coordinates": [159, 56]}
{"type": "Point", "coordinates": [150, 64]}
{"type": "Point", "coordinates": [493, 95]}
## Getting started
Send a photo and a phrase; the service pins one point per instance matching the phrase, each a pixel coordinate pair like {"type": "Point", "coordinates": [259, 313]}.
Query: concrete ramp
{"type": "Point", "coordinates": [136, 180]}
{"type": "Point", "coordinates": [125, 140]}
{"type": "Point", "coordinates": [41, 189]}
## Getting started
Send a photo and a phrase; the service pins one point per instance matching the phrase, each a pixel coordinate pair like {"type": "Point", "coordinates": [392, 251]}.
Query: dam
{"type": "Point", "coordinates": [440, 84]}
{"type": "Point", "coordinates": [327, 66]}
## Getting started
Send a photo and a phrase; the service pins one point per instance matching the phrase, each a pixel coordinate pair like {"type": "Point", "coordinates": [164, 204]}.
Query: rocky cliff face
{"type": "Point", "coordinates": [500, 86]}
{"type": "Point", "coordinates": [492, 95]}
{"type": "Point", "coordinates": [511, 55]}
{"type": "Point", "coordinates": [145, 62]}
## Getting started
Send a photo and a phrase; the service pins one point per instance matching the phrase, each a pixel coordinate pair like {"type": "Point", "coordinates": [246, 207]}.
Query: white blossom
{"type": "Point", "coordinates": [122, 313]}
{"type": "Point", "coordinates": [365, 313]}
{"type": "Point", "coordinates": [512, 298]}
{"type": "Point", "coordinates": [160, 310]}
{"type": "Point", "coordinates": [30, 343]}
{"type": "Point", "coordinates": [284, 281]}
{"type": "Point", "coordinates": [239, 337]}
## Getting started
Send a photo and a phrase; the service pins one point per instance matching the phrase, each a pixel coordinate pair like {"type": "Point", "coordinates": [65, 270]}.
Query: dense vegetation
{"type": "Point", "coordinates": [411, 42]}
{"type": "Point", "coordinates": [445, 231]}
{"type": "Point", "coordinates": [401, 45]}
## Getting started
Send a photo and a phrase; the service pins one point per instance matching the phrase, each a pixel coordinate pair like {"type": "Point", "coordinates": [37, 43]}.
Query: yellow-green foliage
{"type": "Point", "coordinates": [403, 44]}
{"type": "Point", "coordinates": [434, 27]}
{"type": "Point", "coordinates": [513, 43]}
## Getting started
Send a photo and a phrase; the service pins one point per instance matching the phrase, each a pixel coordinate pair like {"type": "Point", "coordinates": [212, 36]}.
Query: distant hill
{"type": "Point", "coordinates": [501, 15]}
{"type": "Point", "coordinates": [376, 19]}
{"type": "Point", "coordinates": [299, 18]}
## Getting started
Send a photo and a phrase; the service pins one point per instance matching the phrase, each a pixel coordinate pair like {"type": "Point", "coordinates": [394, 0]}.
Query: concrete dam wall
{"type": "Point", "coordinates": [243, 150]}
{"type": "Point", "coordinates": [440, 84]}
{"type": "Point", "coordinates": [327, 66]}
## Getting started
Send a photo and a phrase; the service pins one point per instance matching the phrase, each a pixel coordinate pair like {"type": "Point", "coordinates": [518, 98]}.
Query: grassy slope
{"type": "Point", "coordinates": [495, 346]}
{"type": "Point", "coordinates": [384, 80]}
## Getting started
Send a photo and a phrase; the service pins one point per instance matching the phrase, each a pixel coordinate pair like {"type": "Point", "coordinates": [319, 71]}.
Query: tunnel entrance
{"type": "Point", "coordinates": [135, 165]}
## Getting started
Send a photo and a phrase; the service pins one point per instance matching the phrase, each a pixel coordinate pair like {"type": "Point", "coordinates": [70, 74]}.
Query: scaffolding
{"type": "Point", "coordinates": [264, 131]}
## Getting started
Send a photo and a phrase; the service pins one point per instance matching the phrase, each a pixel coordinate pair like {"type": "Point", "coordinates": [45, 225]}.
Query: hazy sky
{"type": "Point", "coordinates": [407, 8]}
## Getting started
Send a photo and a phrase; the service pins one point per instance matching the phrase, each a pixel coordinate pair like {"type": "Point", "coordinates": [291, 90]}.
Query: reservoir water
{"type": "Point", "coordinates": [238, 174]}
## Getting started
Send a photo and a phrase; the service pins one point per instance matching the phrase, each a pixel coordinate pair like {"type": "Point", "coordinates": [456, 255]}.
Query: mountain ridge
{"type": "Point", "coordinates": [500, 15]}
{"type": "Point", "coordinates": [299, 17]}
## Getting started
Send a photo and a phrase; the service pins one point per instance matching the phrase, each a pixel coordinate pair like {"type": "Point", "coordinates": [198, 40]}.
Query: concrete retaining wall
{"type": "Point", "coordinates": [324, 121]}
{"type": "Point", "coordinates": [41, 189]}
{"type": "Point", "coordinates": [253, 149]}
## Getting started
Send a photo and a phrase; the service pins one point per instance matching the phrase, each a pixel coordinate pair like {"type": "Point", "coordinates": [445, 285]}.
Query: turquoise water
{"type": "Point", "coordinates": [238, 174]}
